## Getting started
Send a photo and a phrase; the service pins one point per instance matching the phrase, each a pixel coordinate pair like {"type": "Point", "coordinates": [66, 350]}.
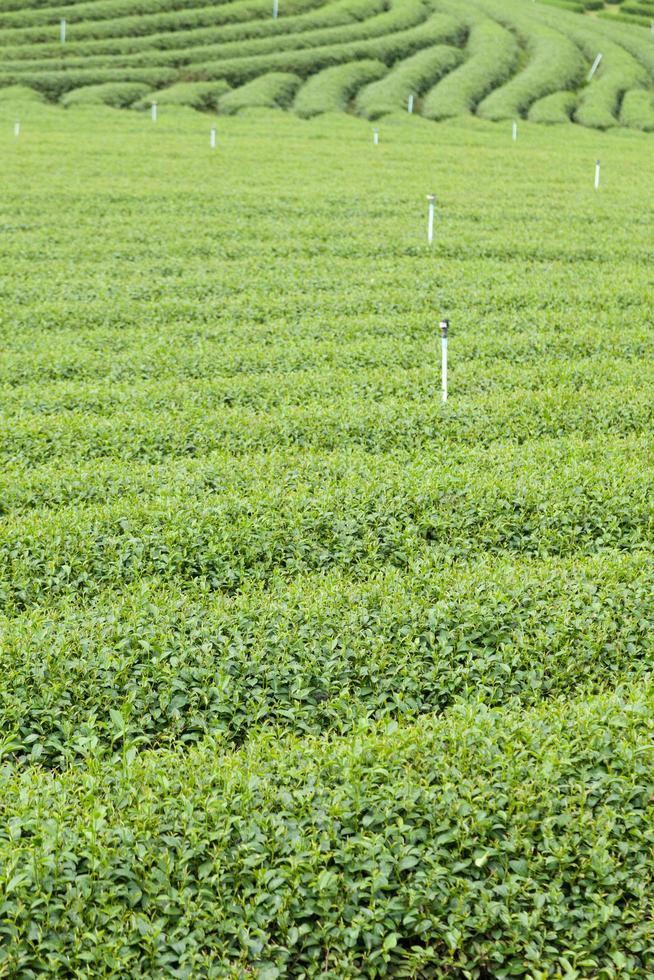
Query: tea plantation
{"type": "Point", "coordinates": [304, 672]}
{"type": "Point", "coordinates": [497, 59]}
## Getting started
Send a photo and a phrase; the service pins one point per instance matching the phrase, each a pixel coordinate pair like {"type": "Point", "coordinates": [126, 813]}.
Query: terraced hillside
{"type": "Point", "coordinates": [495, 58]}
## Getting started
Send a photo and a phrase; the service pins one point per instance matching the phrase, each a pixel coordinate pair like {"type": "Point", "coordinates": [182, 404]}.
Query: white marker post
{"type": "Point", "coordinates": [515, 131]}
{"type": "Point", "coordinates": [410, 105]}
{"type": "Point", "coordinates": [275, 9]}
{"type": "Point", "coordinates": [375, 136]}
{"type": "Point", "coordinates": [212, 138]}
{"type": "Point", "coordinates": [430, 219]}
{"type": "Point", "coordinates": [154, 112]}
{"type": "Point", "coordinates": [16, 128]}
{"type": "Point", "coordinates": [62, 31]}
{"type": "Point", "coordinates": [596, 65]}
{"type": "Point", "coordinates": [445, 326]}
{"type": "Point", "coordinates": [597, 175]}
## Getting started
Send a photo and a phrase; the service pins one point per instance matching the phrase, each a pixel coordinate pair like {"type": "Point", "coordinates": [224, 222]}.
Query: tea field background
{"type": "Point", "coordinates": [302, 671]}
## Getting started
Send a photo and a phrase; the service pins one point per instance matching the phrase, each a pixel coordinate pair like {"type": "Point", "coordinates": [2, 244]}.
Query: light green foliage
{"type": "Point", "coordinates": [412, 76]}
{"type": "Point", "coordinates": [332, 89]}
{"type": "Point", "coordinates": [19, 93]}
{"type": "Point", "coordinates": [119, 95]}
{"type": "Point", "coordinates": [302, 671]}
{"type": "Point", "coordinates": [637, 110]}
{"type": "Point", "coordinates": [273, 91]}
{"type": "Point", "coordinates": [196, 95]}
{"type": "Point", "coordinates": [555, 108]}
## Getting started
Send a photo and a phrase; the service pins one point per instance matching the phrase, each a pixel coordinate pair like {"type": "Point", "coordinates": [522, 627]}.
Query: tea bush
{"type": "Point", "coordinates": [556, 108]}
{"type": "Point", "coordinates": [273, 91]}
{"type": "Point", "coordinates": [413, 76]}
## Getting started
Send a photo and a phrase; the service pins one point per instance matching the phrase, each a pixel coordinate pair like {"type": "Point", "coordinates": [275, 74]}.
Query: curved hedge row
{"type": "Point", "coordinates": [556, 108]}
{"type": "Point", "coordinates": [275, 90]}
{"type": "Point", "coordinates": [412, 76]}
{"type": "Point", "coordinates": [119, 95]}
{"type": "Point", "coordinates": [492, 56]}
{"type": "Point", "coordinates": [402, 14]}
{"type": "Point", "coordinates": [554, 62]}
{"type": "Point", "coordinates": [335, 14]}
{"type": "Point", "coordinates": [160, 44]}
{"type": "Point", "coordinates": [332, 89]}
{"type": "Point", "coordinates": [196, 95]}
{"type": "Point", "coordinates": [176, 19]}
{"type": "Point", "coordinates": [440, 28]}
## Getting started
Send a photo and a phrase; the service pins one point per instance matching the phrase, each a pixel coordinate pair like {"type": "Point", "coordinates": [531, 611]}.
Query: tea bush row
{"type": "Point", "coordinates": [554, 62]}
{"type": "Point", "coordinates": [332, 15]}
{"type": "Point", "coordinates": [272, 91]}
{"type": "Point", "coordinates": [161, 667]}
{"type": "Point", "coordinates": [413, 76]}
{"type": "Point", "coordinates": [492, 56]}
{"type": "Point", "coordinates": [405, 14]}
{"type": "Point", "coordinates": [394, 852]}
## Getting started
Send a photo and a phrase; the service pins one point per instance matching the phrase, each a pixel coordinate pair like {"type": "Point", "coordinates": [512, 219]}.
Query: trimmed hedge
{"type": "Point", "coordinates": [119, 95]}
{"type": "Point", "coordinates": [555, 62]}
{"type": "Point", "coordinates": [331, 90]}
{"type": "Point", "coordinates": [134, 24]}
{"type": "Point", "coordinates": [197, 95]}
{"type": "Point", "coordinates": [338, 13]}
{"type": "Point", "coordinates": [492, 57]}
{"type": "Point", "coordinates": [556, 108]}
{"type": "Point", "coordinates": [389, 48]}
{"type": "Point", "coordinates": [404, 14]}
{"type": "Point", "coordinates": [55, 84]}
{"type": "Point", "coordinates": [412, 76]}
{"type": "Point", "coordinates": [275, 90]}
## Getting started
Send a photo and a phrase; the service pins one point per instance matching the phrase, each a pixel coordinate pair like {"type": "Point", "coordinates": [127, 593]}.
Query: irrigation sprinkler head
{"type": "Point", "coordinates": [431, 198]}
{"type": "Point", "coordinates": [445, 326]}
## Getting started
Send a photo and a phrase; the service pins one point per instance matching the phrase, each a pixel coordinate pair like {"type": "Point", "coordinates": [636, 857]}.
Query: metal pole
{"type": "Point", "coordinates": [445, 326]}
{"type": "Point", "coordinates": [212, 138]}
{"type": "Point", "coordinates": [597, 175]}
{"type": "Point", "coordinates": [62, 31]}
{"type": "Point", "coordinates": [16, 128]}
{"type": "Point", "coordinates": [410, 104]}
{"type": "Point", "coordinates": [596, 64]}
{"type": "Point", "coordinates": [375, 136]}
{"type": "Point", "coordinates": [275, 9]}
{"type": "Point", "coordinates": [430, 219]}
{"type": "Point", "coordinates": [515, 131]}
